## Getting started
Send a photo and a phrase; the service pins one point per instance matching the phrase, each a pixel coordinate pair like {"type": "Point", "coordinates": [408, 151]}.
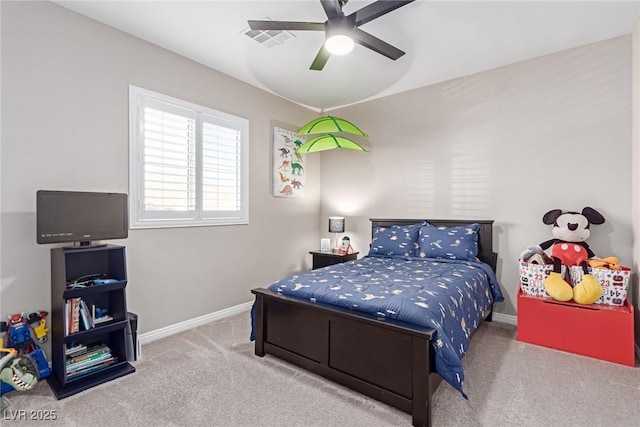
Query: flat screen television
{"type": "Point", "coordinates": [80, 217]}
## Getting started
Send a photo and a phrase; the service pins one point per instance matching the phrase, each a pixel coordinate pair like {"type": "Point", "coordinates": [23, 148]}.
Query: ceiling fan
{"type": "Point", "coordinates": [341, 31]}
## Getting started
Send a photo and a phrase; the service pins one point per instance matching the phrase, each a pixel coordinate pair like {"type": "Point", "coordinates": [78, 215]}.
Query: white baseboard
{"type": "Point", "coordinates": [241, 308]}
{"type": "Point", "coordinates": [505, 318]}
{"type": "Point", "coordinates": [148, 337]}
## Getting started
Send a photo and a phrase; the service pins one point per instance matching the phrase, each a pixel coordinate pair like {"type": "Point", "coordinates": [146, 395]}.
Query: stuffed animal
{"type": "Point", "coordinates": [569, 248]}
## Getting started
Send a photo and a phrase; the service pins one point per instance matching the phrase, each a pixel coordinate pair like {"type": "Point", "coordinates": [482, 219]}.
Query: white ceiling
{"type": "Point", "coordinates": [442, 40]}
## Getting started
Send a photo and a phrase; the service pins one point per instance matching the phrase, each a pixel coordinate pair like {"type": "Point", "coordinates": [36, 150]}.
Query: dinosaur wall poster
{"type": "Point", "coordinates": [288, 166]}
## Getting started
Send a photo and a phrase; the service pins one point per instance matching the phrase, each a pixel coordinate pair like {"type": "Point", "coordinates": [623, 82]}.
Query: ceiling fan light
{"type": "Point", "coordinates": [339, 44]}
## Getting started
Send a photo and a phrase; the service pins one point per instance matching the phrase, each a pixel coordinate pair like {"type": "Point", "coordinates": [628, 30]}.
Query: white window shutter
{"type": "Point", "coordinates": [189, 165]}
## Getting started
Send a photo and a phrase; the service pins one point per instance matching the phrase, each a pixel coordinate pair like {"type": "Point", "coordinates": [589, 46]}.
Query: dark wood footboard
{"type": "Point", "coordinates": [387, 360]}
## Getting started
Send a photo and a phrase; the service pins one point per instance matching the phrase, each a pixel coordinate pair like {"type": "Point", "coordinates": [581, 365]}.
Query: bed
{"type": "Point", "coordinates": [392, 324]}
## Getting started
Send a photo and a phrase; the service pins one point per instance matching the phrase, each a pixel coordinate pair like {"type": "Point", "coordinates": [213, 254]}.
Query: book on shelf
{"type": "Point", "coordinates": [103, 319]}
{"type": "Point", "coordinates": [95, 356]}
{"type": "Point", "coordinates": [89, 348]}
{"type": "Point", "coordinates": [87, 363]}
{"type": "Point", "coordinates": [73, 349]}
{"type": "Point", "coordinates": [78, 316]}
{"type": "Point", "coordinates": [105, 364]}
{"type": "Point", "coordinates": [72, 315]}
{"type": "Point", "coordinates": [88, 354]}
{"type": "Point", "coordinates": [87, 320]}
{"type": "Point", "coordinates": [66, 317]}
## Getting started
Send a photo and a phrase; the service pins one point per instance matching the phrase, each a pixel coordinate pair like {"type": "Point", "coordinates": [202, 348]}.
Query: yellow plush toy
{"type": "Point", "coordinates": [570, 231]}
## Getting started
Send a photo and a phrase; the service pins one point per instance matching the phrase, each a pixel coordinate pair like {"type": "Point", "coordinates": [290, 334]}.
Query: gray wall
{"type": "Point", "coordinates": [636, 178]}
{"type": "Point", "coordinates": [507, 144]}
{"type": "Point", "coordinates": [65, 127]}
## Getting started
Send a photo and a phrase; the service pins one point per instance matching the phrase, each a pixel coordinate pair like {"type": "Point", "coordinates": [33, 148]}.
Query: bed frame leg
{"type": "Point", "coordinates": [489, 317]}
{"type": "Point", "coordinates": [421, 412]}
{"type": "Point", "coordinates": [259, 325]}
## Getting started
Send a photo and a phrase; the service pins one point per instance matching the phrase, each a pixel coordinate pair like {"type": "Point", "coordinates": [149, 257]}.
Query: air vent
{"type": "Point", "coordinates": [268, 38]}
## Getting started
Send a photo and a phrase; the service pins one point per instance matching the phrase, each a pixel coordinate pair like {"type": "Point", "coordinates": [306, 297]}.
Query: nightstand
{"type": "Point", "coordinates": [325, 258]}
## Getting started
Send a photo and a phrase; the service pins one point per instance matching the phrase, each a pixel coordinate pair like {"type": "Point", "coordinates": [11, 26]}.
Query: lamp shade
{"type": "Point", "coordinates": [339, 44]}
{"type": "Point", "coordinates": [330, 124]}
{"type": "Point", "coordinates": [328, 142]}
{"type": "Point", "coordinates": [336, 224]}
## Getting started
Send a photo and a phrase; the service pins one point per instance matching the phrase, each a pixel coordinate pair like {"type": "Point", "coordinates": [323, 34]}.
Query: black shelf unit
{"type": "Point", "coordinates": [68, 264]}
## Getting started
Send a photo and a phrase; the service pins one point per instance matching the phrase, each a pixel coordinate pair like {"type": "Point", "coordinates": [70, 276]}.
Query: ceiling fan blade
{"type": "Point", "coordinates": [332, 8]}
{"type": "Point", "coordinates": [367, 40]}
{"type": "Point", "coordinates": [376, 9]}
{"type": "Point", "coordinates": [321, 59]}
{"type": "Point", "coordinates": [286, 25]}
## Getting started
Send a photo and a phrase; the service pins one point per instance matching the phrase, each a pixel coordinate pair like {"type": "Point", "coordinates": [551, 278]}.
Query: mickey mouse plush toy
{"type": "Point", "coordinates": [569, 248]}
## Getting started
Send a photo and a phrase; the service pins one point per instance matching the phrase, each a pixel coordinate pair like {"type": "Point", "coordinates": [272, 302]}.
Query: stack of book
{"type": "Point", "coordinates": [83, 359]}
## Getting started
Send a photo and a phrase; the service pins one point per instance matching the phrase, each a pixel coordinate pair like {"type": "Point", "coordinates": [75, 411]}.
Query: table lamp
{"type": "Point", "coordinates": [336, 225]}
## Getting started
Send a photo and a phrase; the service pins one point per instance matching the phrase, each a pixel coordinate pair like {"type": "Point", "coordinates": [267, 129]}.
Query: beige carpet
{"type": "Point", "coordinates": [208, 376]}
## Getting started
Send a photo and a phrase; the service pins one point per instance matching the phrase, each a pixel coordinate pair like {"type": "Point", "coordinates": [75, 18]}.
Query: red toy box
{"type": "Point", "coordinates": [601, 331]}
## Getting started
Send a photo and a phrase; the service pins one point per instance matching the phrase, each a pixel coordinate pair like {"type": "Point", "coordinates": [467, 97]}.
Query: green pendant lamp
{"type": "Point", "coordinates": [328, 142]}
{"type": "Point", "coordinates": [329, 124]}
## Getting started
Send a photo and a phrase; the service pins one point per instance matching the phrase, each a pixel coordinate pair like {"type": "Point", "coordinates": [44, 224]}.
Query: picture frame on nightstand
{"type": "Point", "coordinates": [325, 245]}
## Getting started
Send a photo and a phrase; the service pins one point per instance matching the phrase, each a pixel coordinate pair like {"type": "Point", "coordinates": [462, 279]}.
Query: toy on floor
{"type": "Point", "coordinates": [16, 335]}
{"type": "Point", "coordinates": [19, 334]}
{"type": "Point", "coordinates": [569, 248]}
{"type": "Point", "coordinates": [38, 322]}
{"type": "Point", "coordinates": [20, 372]}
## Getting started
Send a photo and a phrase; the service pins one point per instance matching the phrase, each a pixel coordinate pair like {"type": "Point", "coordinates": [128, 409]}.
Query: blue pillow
{"type": "Point", "coordinates": [459, 242]}
{"type": "Point", "coordinates": [401, 240]}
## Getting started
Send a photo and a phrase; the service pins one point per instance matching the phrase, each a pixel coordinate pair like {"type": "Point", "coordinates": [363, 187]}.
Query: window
{"type": "Point", "coordinates": [188, 164]}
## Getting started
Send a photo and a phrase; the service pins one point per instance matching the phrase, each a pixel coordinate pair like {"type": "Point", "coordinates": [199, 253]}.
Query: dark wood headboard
{"type": "Point", "coordinates": [485, 234]}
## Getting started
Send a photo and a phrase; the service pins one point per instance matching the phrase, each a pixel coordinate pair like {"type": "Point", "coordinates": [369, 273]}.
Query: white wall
{"type": "Point", "coordinates": [65, 127]}
{"type": "Point", "coordinates": [507, 144]}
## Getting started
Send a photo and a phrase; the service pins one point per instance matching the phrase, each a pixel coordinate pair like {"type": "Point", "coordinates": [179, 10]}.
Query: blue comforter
{"type": "Point", "coordinates": [450, 296]}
